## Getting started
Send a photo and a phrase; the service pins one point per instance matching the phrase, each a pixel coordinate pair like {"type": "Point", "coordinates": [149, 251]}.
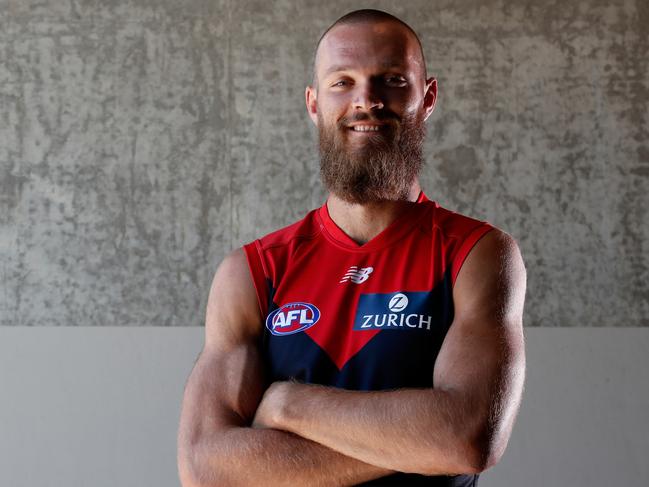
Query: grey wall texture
{"type": "Point", "coordinates": [141, 141]}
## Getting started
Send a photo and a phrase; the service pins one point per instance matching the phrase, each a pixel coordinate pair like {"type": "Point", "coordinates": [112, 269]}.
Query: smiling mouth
{"type": "Point", "coordinates": [367, 129]}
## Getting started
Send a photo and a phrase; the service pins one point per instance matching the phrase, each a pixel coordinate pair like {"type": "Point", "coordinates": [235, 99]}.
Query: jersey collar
{"type": "Point", "coordinates": [397, 230]}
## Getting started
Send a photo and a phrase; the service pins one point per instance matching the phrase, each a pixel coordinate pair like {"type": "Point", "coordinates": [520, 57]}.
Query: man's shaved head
{"type": "Point", "coordinates": [360, 17]}
{"type": "Point", "coordinates": [372, 107]}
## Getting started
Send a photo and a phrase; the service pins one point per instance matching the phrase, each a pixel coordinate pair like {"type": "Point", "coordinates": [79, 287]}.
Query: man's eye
{"type": "Point", "coordinates": [339, 83]}
{"type": "Point", "coordinates": [396, 80]}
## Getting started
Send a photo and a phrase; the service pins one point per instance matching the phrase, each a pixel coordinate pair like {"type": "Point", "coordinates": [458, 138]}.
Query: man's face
{"type": "Point", "coordinates": [370, 110]}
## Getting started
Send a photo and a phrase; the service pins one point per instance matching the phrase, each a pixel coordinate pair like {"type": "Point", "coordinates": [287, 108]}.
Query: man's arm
{"type": "Point", "coordinates": [216, 445]}
{"type": "Point", "coordinates": [464, 423]}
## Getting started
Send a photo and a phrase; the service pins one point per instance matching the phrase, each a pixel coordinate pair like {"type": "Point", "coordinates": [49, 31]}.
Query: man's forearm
{"type": "Point", "coordinates": [251, 456]}
{"type": "Point", "coordinates": [422, 431]}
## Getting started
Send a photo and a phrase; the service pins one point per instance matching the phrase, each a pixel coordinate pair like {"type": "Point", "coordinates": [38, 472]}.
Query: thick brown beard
{"type": "Point", "coordinates": [383, 169]}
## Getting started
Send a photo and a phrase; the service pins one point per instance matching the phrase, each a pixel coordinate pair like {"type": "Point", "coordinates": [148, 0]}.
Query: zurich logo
{"type": "Point", "coordinates": [292, 318]}
{"type": "Point", "coordinates": [395, 311]}
{"type": "Point", "coordinates": [398, 302]}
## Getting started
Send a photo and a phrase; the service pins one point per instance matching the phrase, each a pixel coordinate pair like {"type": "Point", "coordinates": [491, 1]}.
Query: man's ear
{"type": "Point", "coordinates": [430, 96]}
{"type": "Point", "coordinates": [312, 104]}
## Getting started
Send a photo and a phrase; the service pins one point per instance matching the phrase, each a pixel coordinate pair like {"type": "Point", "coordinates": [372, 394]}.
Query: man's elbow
{"type": "Point", "coordinates": [461, 459]}
{"type": "Point", "coordinates": [187, 472]}
{"type": "Point", "coordinates": [191, 470]}
{"type": "Point", "coordinates": [186, 476]}
{"type": "Point", "coordinates": [486, 454]}
{"type": "Point", "coordinates": [466, 458]}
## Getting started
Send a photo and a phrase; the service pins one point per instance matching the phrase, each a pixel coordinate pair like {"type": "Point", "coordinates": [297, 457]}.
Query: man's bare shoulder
{"type": "Point", "coordinates": [232, 313]}
{"type": "Point", "coordinates": [494, 273]}
{"type": "Point", "coordinates": [498, 250]}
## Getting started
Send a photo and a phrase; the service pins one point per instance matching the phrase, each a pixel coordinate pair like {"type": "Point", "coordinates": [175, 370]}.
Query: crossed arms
{"type": "Point", "coordinates": [234, 430]}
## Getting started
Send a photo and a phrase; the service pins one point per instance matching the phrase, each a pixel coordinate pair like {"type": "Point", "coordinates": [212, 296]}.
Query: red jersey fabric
{"type": "Point", "coordinates": [362, 317]}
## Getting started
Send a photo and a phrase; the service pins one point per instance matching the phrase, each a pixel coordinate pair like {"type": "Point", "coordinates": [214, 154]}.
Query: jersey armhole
{"type": "Point", "coordinates": [258, 272]}
{"type": "Point", "coordinates": [465, 247]}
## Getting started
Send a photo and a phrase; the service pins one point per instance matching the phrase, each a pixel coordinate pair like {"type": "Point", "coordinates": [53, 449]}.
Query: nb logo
{"type": "Point", "coordinates": [357, 275]}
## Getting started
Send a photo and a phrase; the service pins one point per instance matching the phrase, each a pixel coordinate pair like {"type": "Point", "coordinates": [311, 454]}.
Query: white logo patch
{"type": "Point", "coordinates": [398, 302]}
{"type": "Point", "coordinates": [357, 275]}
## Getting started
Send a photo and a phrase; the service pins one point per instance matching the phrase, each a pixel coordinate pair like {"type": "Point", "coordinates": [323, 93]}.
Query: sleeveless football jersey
{"type": "Point", "coordinates": [362, 317]}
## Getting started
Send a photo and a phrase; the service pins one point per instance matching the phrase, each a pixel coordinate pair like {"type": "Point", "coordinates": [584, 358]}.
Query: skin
{"type": "Point", "coordinates": [368, 86]}
{"type": "Point", "coordinates": [236, 429]}
{"type": "Point", "coordinates": [216, 444]}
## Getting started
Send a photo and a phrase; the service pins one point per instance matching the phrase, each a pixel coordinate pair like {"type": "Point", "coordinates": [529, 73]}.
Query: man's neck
{"type": "Point", "coordinates": [363, 222]}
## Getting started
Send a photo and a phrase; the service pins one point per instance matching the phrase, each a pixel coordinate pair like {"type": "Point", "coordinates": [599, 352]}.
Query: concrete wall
{"type": "Point", "coordinates": [143, 140]}
{"type": "Point", "coordinates": [140, 141]}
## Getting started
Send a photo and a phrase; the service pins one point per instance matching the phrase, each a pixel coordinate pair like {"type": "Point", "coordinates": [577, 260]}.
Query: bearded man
{"type": "Point", "coordinates": [377, 341]}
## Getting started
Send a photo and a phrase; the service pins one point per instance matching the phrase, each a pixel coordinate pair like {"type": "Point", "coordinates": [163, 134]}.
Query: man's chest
{"type": "Point", "coordinates": [359, 320]}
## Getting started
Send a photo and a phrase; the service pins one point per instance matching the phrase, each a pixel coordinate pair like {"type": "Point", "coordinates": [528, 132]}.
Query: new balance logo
{"type": "Point", "coordinates": [357, 275]}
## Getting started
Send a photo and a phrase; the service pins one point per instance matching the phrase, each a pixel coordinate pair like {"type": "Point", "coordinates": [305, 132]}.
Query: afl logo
{"type": "Point", "coordinates": [292, 318]}
{"type": "Point", "coordinates": [398, 302]}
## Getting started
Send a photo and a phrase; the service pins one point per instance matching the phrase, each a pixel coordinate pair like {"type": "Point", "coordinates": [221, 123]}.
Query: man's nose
{"type": "Point", "coordinates": [368, 98]}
